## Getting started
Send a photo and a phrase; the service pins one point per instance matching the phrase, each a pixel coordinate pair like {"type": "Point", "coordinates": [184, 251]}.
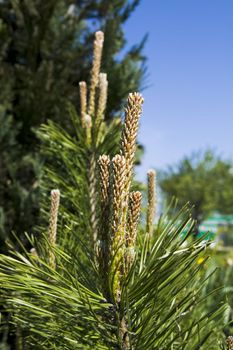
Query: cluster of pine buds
{"type": "Point", "coordinates": [92, 113]}
{"type": "Point", "coordinates": [124, 206]}
{"type": "Point", "coordinates": [115, 231]}
{"type": "Point", "coordinates": [92, 109]}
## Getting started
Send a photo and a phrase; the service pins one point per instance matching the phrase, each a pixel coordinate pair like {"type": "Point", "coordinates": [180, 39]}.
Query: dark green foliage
{"type": "Point", "coordinates": [67, 168]}
{"type": "Point", "coordinates": [19, 197]}
{"type": "Point", "coordinates": [45, 50]}
{"type": "Point", "coordinates": [156, 301]}
{"type": "Point", "coordinates": [163, 297]}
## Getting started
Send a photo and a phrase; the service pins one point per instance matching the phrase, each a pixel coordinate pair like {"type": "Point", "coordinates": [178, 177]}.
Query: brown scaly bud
{"type": "Point", "coordinates": [129, 133]}
{"type": "Point", "coordinates": [93, 199]}
{"type": "Point", "coordinates": [97, 55]}
{"type": "Point", "coordinates": [118, 197]}
{"type": "Point", "coordinates": [83, 99]}
{"type": "Point", "coordinates": [55, 200]}
{"type": "Point", "coordinates": [133, 112]}
{"type": "Point", "coordinates": [117, 224]}
{"type": "Point", "coordinates": [151, 206]}
{"type": "Point", "coordinates": [104, 163]}
{"type": "Point", "coordinates": [230, 343]}
{"type": "Point", "coordinates": [135, 199]}
{"type": "Point", "coordinates": [103, 232]}
{"type": "Point", "coordinates": [87, 121]}
{"type": "Point", "coordinates": [87, 124]}
{"type": "Point", "coordinates": [103, 93]}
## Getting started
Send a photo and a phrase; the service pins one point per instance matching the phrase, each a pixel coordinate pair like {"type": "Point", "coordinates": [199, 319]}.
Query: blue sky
{"type": "Point", "coordinates": [189, 101]}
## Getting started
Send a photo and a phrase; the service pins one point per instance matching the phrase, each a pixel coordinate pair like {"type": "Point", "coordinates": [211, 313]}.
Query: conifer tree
{"type": "Point", "coordinates": [45, 50]}
{"type": "Point", "coordinates": [99, 279]}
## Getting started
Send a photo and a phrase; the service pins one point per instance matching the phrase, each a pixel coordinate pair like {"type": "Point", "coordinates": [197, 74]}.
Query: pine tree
{"type": "Point", "coordinates": [105, 281]}
{"type": "Point", "coordinates": [45, 50]}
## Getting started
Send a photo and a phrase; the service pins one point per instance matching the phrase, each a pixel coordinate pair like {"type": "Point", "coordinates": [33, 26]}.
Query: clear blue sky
{"type": "Point", "coordinates": [189, 101]}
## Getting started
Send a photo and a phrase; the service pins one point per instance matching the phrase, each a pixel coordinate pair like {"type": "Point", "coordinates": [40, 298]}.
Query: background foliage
{"type": "Point", "coordinates": [45, 50]}
{"type": "Point", "coordinates": [167, 298]}
{"type": "Point", "coordinates": [203, 179]}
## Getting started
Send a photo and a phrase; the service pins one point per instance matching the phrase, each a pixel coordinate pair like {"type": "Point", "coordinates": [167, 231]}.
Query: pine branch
{"type": "Point", "coordinates": [111, 286]}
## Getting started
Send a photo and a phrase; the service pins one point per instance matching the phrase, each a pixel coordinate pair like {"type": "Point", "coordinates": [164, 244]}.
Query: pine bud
{"type": "Point", "coordinates": [151, 206]}
{"type": "Point", "coordinates": [93, 199]}
{"type": "Point", "coordinates": [129, 134]}
{"type": "Point", "coordinates": [135, 199]}
{"type": "Point", "coordinates": [117, 224]}
{"type": "Point", "coordinates": [118, 165]}
{"type": "Point", "coordinates": [97, 55]}
{"type": "Point", "coordinates": [87, 123]}
{"type": "Point", "coordinates": [83, 99]}
{"type": "Point", "coordinates": [103, 92]}
{"type": "Point", "coordinates": [104, 162]}
{"type": "Point", "coordinates": [230, 343]}
{"type": "Point", "coordinates": [55, 200]}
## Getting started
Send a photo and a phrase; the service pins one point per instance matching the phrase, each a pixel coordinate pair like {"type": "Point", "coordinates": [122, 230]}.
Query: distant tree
{"type": "Point", "coordinates": [224, 187]}
{"type": "Point", "coordinates": [204, 180]}
{"type": "Point", "coordinates": [45, 50]}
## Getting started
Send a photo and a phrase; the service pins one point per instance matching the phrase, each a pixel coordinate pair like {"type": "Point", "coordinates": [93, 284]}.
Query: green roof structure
{"type": "Point", "coordinates": [215, 223]}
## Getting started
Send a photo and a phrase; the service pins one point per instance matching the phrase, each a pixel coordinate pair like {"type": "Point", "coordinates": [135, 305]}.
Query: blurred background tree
{"type": "Point", "coordinates": [203, 179]}
{"type": "Point", "coordinates": [45, 50]}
